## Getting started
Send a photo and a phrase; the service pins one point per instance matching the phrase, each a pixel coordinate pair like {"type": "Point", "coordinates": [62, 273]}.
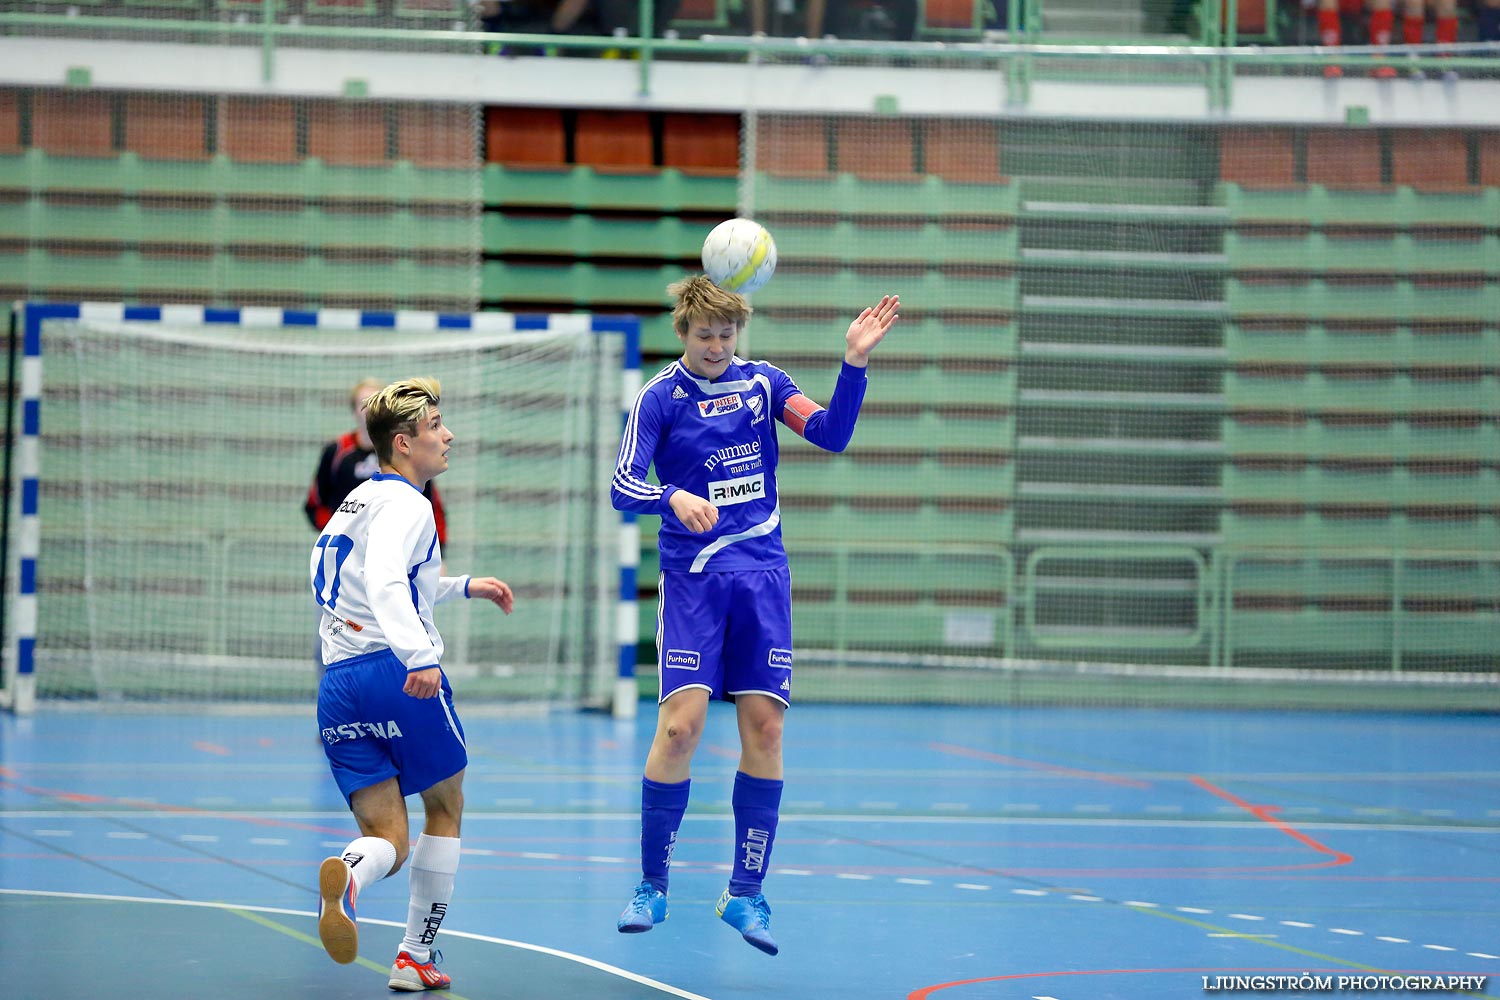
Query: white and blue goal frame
{"type": "Point", "coordinates": [19, 691]}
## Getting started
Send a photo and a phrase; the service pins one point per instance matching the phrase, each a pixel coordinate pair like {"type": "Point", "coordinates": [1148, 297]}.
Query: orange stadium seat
{"type": "Point", "coordinates": [792, 146]}
{"type": "Point", "coordinates": [258, 130]}
{"type": "Point", "coordinates": [1250, 16]}
{"type": "Point", "coordinates": [1344, 158]}
{"type": "Point", "coordinates": [697, 10]}
{"type": "Point", "coordinates": [10, 122]}
{"type": "Point", "coordinates": [703, 143]}
{"type": "Point", "coordinates": [165, 128]}
{"type": "Point", "coordinates": [1489, 159]}
{"type": "Point", "coordinates": [1430, 159]}
{"type": "Point", "coordinates": [962, 150]}
{"type": "Point", "coordinates": [525, 136]}
{"type": "Point", "coordinates": [619, 139]}
{"type": "Point", "coordinates": [349, 134]}
{"type": "Point", "coordinates": [1257, 157]}
{"type": "Point", "coordinates": [437, 137]}
{"type": "Point", "coordinates": [73, 124]}
{"type": "Point", "coordinates": [948, 14]}
{"type": "Point", "coordinates": [876, 148]}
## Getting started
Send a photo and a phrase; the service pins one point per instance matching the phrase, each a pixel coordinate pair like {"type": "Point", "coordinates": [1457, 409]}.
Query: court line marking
{"type": "Point", "coordinates": [592, 963]}
{"type": "Point", "coordinates": [275, 816]}
{"type": "Point", "coordinates": [1045, 767]}
{"type": "Point", "coordinates": [296, 935]}
{"type": "Point", "coordinates": [1267, 814]}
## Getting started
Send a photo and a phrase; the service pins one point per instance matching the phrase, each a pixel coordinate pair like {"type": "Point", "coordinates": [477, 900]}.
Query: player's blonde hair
{"type": "Point", "coordinates": [398, 409]}
{"type": "Point", "coordinates": [699, 300]}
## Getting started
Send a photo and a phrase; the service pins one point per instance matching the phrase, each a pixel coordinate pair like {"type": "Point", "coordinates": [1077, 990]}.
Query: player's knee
{"type": "Point", "coordinates": [682, 737]}
{"type": "Point", "coordinates": [765, 733]}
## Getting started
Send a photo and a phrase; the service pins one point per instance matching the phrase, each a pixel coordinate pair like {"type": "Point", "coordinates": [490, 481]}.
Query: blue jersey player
{"type": "Point", "coordinates": [724, 624]}
{"type": "Point", "coordinates": [384, 705]}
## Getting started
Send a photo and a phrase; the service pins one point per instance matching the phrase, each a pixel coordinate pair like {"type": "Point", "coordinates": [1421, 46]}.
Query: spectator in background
{"type": "Point", "coordinates": [1487, 17]}
{"type": "Point", "coordinates": [615, 15]}
{"type": "Point", "coordinates": [531, 17]}
{"type": "Point", "coordinates": [576, 17]}
{"type": "Point", "coordinates": [1331, 14]}
{"type": "Point", "coordinates": [894, 19]}
{"type": "Point", "coordinates": [812, 18]}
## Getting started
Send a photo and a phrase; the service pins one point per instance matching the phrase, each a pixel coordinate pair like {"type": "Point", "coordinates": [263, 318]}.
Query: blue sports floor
{"type": "Point", "coordinates": [952, 853]}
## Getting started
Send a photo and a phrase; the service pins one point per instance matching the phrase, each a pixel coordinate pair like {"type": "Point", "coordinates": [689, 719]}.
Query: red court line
{"type": "Point", "coordinates": [1037, 765]}
{"type": "Point", "coordinates": [1266, 815]}
{"type": "Point", "coordinates": [7, 777]}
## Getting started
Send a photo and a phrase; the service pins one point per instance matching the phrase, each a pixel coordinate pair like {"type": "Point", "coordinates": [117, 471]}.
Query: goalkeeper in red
{"type": "Point", "coordinates": [384, 704]}
{"type": "Point", "coordinates": [724, 622]}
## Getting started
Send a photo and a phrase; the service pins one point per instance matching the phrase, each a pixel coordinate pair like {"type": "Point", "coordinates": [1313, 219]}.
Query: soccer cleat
{"type": "Point", "coordinates": [647, 909]}
{"type": "Point", "coordinates": [751, 916]}
{"type": "Point", "coordinates": [336, 927]}
{"type": "Point", "coordinates": [411, 976]}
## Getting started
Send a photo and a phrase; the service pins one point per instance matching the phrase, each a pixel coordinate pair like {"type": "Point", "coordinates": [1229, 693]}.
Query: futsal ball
{"type": "Point", "coordinates": [739, 256]}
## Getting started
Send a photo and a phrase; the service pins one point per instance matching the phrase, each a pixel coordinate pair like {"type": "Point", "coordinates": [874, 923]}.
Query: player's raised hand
{"type": "Point", "coordinates": [424, 683]}
{"type": "Point", "coordinates": [869, 329]}
{"type": "Point", "coordinates": [695, 513]}
{"type": "Point", "coordinates": [490, 589]}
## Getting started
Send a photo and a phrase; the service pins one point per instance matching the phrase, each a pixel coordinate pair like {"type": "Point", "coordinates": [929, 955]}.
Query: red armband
{"type": "Point", "coordinates": [798, 409]}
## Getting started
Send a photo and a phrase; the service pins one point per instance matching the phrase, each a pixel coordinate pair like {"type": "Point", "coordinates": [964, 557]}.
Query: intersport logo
{"type": "Point", "coordinates": [719, 405]}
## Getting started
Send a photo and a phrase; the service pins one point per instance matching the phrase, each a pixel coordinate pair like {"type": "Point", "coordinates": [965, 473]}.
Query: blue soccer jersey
{"type": "Point", "coordinates": [718, 440]}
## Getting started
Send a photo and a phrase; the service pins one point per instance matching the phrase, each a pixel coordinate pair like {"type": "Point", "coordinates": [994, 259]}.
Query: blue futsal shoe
{"type": "Point", "coordinates": [647, 909]}
{"type": "Point", "coordinates": [751, 916]}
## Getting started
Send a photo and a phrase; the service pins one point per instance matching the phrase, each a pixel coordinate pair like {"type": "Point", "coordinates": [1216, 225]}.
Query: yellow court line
{"type": "Point", "coordinates": [297, 935]}
{"type": "Point", "coordinates": [1262, 939]}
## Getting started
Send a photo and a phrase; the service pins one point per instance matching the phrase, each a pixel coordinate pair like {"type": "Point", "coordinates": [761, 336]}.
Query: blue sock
{"type": "Point", "coordinates": [757, 805]}
{"type": "Point", "coordinates": [662, 806]}
{"type": "Point", "coordinates": [1489, 23]}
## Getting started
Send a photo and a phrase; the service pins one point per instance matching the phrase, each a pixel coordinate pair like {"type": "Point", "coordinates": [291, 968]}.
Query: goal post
{"type": "Point", "coordinates": [159, 544]}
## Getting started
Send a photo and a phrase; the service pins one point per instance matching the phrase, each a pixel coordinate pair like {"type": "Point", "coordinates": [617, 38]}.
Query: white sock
{"type": "Point", "coordinates": [370, 859]}
{"type": "Point", "coordinates": [434, 862]}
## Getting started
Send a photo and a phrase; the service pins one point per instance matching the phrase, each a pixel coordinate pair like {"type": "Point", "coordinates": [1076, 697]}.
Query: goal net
{"type": "Point", "coordinates": [175, 456]}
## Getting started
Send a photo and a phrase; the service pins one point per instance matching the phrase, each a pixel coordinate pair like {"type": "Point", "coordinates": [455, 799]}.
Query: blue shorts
{"type": "Point", "coordinates": [372, 730]}
{"type": "Point", "coordinates": [727, 633]}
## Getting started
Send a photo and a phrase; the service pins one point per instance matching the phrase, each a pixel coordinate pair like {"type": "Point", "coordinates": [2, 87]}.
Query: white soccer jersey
{"type": "Point", "coordinates": [376, 575]}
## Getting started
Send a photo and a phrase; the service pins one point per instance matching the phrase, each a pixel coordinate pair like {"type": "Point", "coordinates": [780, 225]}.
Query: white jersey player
{"type": "Point", "coordinates": [384, 705]}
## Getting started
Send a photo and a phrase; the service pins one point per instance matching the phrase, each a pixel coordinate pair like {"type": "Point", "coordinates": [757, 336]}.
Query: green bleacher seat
{"type": "Point", "coordinates": [579, 284]}
{"type": "Point", "coordinates": [910, 477]}
{"type": "Point", "coordinates": [1396, 439]}
{"type": "Point", "coordinates": [583, 188]}
{"type": "Point", "coordinates": [1335, 484]}
{"type": "Point", "coordinates": [925, 242]}
{"type": "Point", "coordinates": [1399, 346]}
{"type": "Point", "coordinates": [929, 197]}
{"type": "Point", "coordinates": [1399, 207]}
{"type": "Point", "coordinates": [1402, 253]}
{"type": "Point", "coordinates": [584, 235]}
{"type": "Point", "coordinates": [1382, 528]}
{"type": "Point", "coordinates": [846, 289]}
{"type": "Point", "coordinates": [1402, 301]}
{"type": "Point", "coordinates": [925, 522]}
{"type": "Point", "coordinates": [1372, 392]}
{"type": "Point", "coordinates": [771, 336]}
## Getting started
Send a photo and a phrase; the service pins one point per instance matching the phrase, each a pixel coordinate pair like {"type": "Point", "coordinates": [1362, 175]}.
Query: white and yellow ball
{"type": "Point", "coordinates": [739, 255]}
